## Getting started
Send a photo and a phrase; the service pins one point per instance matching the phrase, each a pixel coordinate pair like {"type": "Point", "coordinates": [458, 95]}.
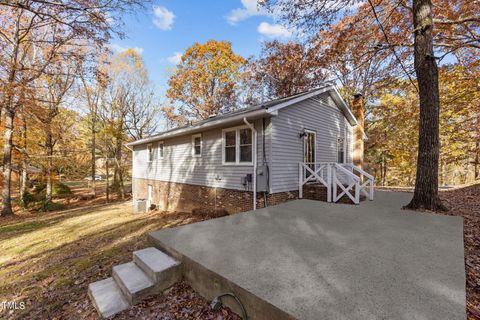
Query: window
{"type": "Point", "coordinates": [237, 146]}
{"type": "Point", "coordinates": [197, 145]}
{"type": "Point", "coordinates": [245, 145]}
{"type": "Point", "coordinates": [340, 150]}
{"type": "Point", "coordinates": [150, 152]}
{"type": "Point", "coordinates": [160, 150]}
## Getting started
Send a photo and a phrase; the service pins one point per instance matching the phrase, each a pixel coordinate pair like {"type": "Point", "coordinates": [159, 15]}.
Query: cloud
{"type": "Point", "coordinates": [273, 30]}
{"type": "Point", "coordinates": [163, 18]}
{"type": "Point", "coordinates": [250, 9]}
{"type": "Point", "coordinates": [176, 58]}
{"type": "Point", "coordinates": [118, 48]}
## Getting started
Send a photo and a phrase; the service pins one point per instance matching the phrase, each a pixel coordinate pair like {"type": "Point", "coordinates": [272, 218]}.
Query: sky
{"type": "Point", "coordinates": [168, 27]}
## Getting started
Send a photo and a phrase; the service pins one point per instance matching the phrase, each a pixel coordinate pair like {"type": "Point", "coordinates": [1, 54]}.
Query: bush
{"type": "Point", "coordinates": [60, 190]}
{"type": "Point", "coordinates": [27, 199]}
{"type": "Point", "coordinates": [39, 187]}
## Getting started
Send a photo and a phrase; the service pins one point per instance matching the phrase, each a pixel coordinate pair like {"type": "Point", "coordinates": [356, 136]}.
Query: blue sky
{"type": "Point", "coordinates": [169, 27]}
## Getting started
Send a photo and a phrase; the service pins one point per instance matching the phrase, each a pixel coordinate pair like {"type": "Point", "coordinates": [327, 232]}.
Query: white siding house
{"type": "Point", "coordinates": [315, 126]}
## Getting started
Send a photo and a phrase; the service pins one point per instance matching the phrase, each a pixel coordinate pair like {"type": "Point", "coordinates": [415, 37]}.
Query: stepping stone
{"type": "Point", "coordinates": [163, 269]}
{"type": "Point", "coordinates": [134, 283]}
{"type": "Point", "coordinates": [107, 297]}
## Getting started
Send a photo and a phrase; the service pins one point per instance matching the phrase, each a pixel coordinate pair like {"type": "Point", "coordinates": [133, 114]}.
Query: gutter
{"type": "Point", "coordinates": [202, 127]}
{"type": "Point", "coordinates": [252, 127]}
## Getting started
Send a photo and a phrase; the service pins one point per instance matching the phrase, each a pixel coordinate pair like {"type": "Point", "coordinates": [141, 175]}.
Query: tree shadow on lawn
{"type": "Point", "coordinates": [24, 223]}
{"type": "Point", "coordinates": [53, 283]}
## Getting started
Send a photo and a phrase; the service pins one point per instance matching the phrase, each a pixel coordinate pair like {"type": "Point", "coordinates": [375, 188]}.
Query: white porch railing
{"type": "Point", "coordinates": [350, 179]}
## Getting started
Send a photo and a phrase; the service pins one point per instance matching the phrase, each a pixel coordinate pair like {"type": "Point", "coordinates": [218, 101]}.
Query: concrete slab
{"type": "Point", "coordinates": [134, 283]}
{"type": "Point", "coordinates": [316, 260]}
{"type": "Point", "coordinates": [163, 269]}
{"type": "Point", "coordinates": [107, 297]}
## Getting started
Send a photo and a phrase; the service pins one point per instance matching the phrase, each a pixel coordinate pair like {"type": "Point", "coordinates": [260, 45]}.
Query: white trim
{"type": "Point", "coordinates": [150, 151]}
{"type": "Point", "coordinates": [272, 111]}
{"type": "Point", "coordinates": [161, 156]}
{"type": "Point", "coordinates": [315, 143]}
{"type": "Point", "coordinates": [336, 96]}
{"type": "Point", "coordinates": [202, 127]}
{"type": "Point", "coordinates": [198, 135]}
{"type": "Point", "coordinates": [237, 146]}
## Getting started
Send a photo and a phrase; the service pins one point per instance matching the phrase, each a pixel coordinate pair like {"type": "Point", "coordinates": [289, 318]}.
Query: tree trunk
{"type": "Point", "coordinates": [24, 179]}
{"type": "Point", "coordinates": [94, 120]}
{"type": "Point", "coordinates": [426, 182]}
{"type": "Point", "coordinates": [118, 168]}
{"type": "Point", "coordinates": [107, 192]}
{"type": "Point", "coordinates": [7, 164]}
{"type": "Point", "coordinates": [49, 146]}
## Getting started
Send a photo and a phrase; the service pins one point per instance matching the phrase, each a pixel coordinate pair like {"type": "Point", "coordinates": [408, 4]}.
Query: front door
{"type": "Point", "coordinates": [309, 149]}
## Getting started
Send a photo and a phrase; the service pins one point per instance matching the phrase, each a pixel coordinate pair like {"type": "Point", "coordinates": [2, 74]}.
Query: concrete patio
{"type": "Point", "coordinates": [314, 260]}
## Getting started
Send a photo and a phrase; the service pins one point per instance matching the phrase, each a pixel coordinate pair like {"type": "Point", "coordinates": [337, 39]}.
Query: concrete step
{"type": "Point", "coordinates": [161, 268]}
{"type": "Point", "coordinates": [134, 283]}
{"type": "Point", "coordinates": [107, 297]}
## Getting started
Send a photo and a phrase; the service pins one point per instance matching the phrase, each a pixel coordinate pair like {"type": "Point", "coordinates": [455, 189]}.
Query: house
{"type": "Point", "coordinates": [211, 164]}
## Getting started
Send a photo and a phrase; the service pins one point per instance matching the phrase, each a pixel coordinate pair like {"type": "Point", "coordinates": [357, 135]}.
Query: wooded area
{"type": "Point", "coordinates": [69, 104]}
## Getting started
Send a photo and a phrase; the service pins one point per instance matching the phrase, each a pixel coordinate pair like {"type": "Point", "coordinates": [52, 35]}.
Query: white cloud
{"type": "Point", "coordinates": [163, 18]}
{"type": "Point", "coordinates": [176, 58]}
{"type": "Point", "coordinates": [273, 30]}
{"type": "Point", "coordinates": [250, 9]}
{"type": "Point", "coordinates": [118, 48]}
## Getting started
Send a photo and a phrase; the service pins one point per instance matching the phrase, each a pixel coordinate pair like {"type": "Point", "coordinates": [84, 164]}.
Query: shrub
{"type": "Point", "coordinates": [60, 190]}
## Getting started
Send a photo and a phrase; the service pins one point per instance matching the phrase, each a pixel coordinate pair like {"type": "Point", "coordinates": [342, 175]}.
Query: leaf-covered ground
{"type": "Point", "coordinates": [47, 261]}
{"type": "Point", "coordinates": [465, 202]}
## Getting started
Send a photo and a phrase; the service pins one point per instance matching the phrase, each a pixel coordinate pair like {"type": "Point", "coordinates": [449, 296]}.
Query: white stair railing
{"type": "Point", "coordinates": [350, 179]}
{"type": "Point", "coordinates": [346, 190]}
{"type": "Point", "coordinates": [367, 186]}
{"type": "Point", "coordinates": [307, 174]}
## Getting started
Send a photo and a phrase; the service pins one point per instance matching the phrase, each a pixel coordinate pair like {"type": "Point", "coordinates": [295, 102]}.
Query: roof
{"type": "Point", "coordinates": [267, 108]}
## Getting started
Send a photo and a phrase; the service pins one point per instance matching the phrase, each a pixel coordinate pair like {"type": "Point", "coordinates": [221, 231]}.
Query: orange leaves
{"type": "Point", "coordinates": [206, 81]}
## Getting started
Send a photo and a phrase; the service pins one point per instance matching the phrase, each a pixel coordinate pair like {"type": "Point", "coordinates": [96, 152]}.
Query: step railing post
{"type": "Point", "coordinates": [329, 182]}
{"type": "Point", "coordinates": [300, 180]}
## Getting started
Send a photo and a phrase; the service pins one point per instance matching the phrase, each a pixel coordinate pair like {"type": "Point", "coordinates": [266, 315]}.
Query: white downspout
{"type": "Point", "coordinates": [254, 162]}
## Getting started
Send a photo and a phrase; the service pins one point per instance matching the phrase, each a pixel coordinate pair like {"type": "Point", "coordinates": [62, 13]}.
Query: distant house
{"type": "Point", "coordinates": [212, 163]}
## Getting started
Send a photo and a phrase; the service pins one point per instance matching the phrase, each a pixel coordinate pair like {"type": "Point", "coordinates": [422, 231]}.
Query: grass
{"type": "Point", "coordinates": [49, 259]}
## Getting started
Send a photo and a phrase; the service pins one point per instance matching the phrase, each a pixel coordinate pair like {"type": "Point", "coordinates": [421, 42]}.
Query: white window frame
{"type": "Point", "coordinates": [237, 147]}
{"type": "Point", "coordinates": [199, 135]}
{"type": "Point", "coordinates": [161, 155]}
{"type": "Point", "coordinates": [150, 152]}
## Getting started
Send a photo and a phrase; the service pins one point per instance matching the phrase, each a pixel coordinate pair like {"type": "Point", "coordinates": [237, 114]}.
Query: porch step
{"type": "Point", "coordinates": [134, 283]}
{"type": "Point", "coordinates": [107, 297]}
{"type": "Point", "coordinates": [163, 269]}
{"type": "Point", "coordinates": [150, 272]}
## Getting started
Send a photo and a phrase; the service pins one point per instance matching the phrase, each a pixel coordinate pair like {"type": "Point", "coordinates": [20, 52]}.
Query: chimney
{"type": "Point", "coordinates": [358, 131]}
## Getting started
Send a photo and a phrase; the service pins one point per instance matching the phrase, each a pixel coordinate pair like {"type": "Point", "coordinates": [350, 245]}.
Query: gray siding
{"type": "Point", "coordinates": [318, 114]}
{"type": "Point", "coordinates": [178, 165]}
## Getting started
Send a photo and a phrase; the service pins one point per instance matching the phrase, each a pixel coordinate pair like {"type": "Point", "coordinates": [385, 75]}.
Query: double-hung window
{"type": "Point", "coordinates": [237, 146]}
{"type": "Point", "coordinates": [197, 145]}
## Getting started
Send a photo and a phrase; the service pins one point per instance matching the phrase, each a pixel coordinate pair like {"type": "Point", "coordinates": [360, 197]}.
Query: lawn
{"type": "Point", "coordinates": [49, 259]}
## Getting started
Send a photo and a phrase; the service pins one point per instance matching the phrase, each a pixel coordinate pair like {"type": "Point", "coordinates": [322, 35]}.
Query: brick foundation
{"type": "Point", "coordinates": [170, 196]}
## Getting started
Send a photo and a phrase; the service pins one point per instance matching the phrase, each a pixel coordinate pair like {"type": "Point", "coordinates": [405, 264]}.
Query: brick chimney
{"type": "Point", "coordinates": [358, 131]}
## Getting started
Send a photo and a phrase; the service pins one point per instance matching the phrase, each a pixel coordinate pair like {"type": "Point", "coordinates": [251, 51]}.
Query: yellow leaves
{"type": "Point", "coordinates": [206, 80]}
